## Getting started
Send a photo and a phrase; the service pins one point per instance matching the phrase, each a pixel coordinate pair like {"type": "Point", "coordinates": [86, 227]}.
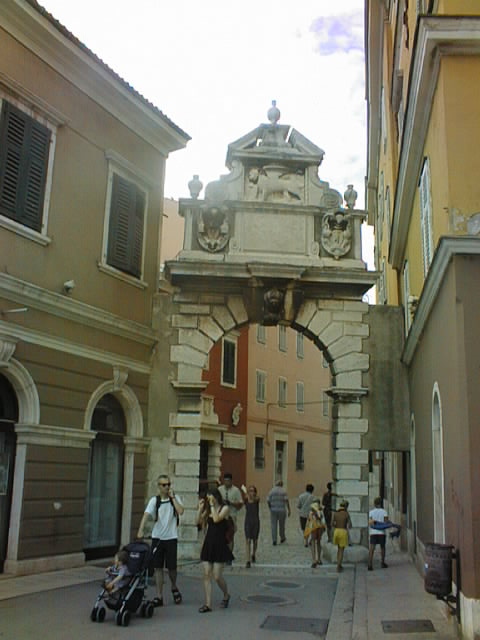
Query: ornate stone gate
{"type": "Point", "coordinates": [271, 243]}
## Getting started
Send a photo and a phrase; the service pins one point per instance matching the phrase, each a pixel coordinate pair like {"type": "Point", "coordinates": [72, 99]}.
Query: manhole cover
{"type": "Point", "coordinates": [267, 599]}
{"type": "Point", "coordinates": [282, 584]}
{"type": "Point", "coordinates": [407, 626]}
{"type": "Point", "coordinates": [317, 626]}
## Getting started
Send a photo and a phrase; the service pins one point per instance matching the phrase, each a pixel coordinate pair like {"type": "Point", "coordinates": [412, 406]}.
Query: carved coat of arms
{"type": "Point", "coordinates": [213, 229]}
{"type": "Point", "coordinates": [336, 233]}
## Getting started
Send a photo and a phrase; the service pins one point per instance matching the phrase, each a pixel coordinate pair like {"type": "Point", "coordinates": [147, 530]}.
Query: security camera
{"type": "Point", "coordinates": [69, 286]}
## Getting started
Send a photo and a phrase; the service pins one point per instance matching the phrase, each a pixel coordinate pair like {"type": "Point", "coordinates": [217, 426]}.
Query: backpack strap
{"type": "Point", "coordinates": [159, 503]}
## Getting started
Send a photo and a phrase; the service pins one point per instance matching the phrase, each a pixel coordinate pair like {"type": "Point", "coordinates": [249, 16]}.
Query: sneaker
{"type": "Point", "coordinates": [248, 565]}
{"type": "Point", "coordinates": [384, 565]}
{"type": "Point", "coordinates": [274, 542]}
{"type": "Point", "coordinates": [283, 540]}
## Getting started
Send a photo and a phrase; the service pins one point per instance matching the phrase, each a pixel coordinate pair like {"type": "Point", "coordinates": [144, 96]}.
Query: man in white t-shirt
{"type": "Point", "coordinates": [377, 515]}
{"type": "Point", "coordinates": [165, 509]}
{"type": "Point", "coordinates": [232, 498]}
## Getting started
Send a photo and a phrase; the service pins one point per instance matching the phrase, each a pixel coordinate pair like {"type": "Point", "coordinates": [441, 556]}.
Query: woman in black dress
{"type": "Point", "coordinates": [213, 514]}
{"type": "Point", "coordinates": [252, 522]}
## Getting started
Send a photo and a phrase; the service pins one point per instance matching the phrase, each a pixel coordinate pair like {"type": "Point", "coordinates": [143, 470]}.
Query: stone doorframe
{"type": "Point", "coordinates": [338, 327]}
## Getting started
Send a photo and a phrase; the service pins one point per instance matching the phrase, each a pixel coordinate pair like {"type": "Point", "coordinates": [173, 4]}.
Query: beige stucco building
{"type": "Point", "coordinates": [289, 435]}
{"type": "Point", "coordinates": [423, 196]}
{"type": "Point", "coordinates": [82, 161]}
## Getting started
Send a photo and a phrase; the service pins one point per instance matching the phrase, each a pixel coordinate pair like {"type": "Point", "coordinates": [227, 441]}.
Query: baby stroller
{"type": "Point", "coordinates": [130, 598]}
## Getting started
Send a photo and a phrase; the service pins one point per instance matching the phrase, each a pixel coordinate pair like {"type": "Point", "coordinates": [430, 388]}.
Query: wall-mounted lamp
{"type": "Point", "coordinates": [68, 286]}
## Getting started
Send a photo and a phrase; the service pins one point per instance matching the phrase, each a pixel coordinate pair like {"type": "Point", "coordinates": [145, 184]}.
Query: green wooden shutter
{"type": "Point", "coordinates": [24, 150]}
{"type": "Point", "coordinates": [125, 238]}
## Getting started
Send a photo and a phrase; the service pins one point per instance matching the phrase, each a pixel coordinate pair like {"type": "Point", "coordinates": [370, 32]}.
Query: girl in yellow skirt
{"type": "Point", "coordinates": [341, 523]}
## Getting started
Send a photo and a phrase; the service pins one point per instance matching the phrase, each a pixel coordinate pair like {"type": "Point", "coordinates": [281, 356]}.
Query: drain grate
{"type": "Point", "coordinates": [267, 599]}
{"type": "Point", "coordinates": [282, 584]}
{"type": "Point", "coordinates": [317, 626]}
{"type": "Point", "coordinates": [407, 626]}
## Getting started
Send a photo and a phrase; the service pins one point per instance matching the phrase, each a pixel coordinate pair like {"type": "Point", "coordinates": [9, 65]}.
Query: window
{"type": "Point", "coordinates": [282, 392]}
{"type": "Point", "coordinates": [299, 458]}
{"type": "Point", "coordinates": [406, 296]}
{"type": "Point", "coordinates": [300, 397]}
{"type": "Point", "coordinates": [388, 214]}
{"type": "Point", "coordinates": [126, 225]}
{"type": "Point", "coordinates": [326, 404]}
{"type": "Point", "coordinates": [261, 334]}
{"type": "Point", "coordinates": [384, 120]}
{"type": "Point", "coordinates": [300, 351]}
{"type": "Point", "coordinates": [229, 362]}
{"type": "Point", "coordinates": [382, 284]}
{"type": "Point", "coordinates": [282, 338]}
{"type": "Point", "coordinates": [380, 209]}
{"type": "Point", "coordinates": [24, 165]}
{"type": "Point", "coordinates": [426, 215]}
{"type": "Point", "coordinates": [259, 459]}
{"type": "Point", "coordinates": [261, 386]}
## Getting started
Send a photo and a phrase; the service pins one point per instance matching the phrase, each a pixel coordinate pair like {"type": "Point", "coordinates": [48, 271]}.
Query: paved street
{"type": "Point", "coordinates": [279, 593]}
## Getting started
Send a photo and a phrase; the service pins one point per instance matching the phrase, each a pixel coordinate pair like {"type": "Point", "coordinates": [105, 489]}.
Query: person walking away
{"type": "Point", "coordinates": [377, 514]}
{"type": "Point", "coordinates": [304, 503]}
{"type": "Point", "coordinates": [327, 508]}
{"type": "Point", "coordinates": [252, 522]}
{"type": "Point", "coordinates": [213, 514]}
{"type": "Point", "coordinates": [165, 509]}
{"type": "Point", "coordinates": [232, 497]}
{"type": "Point", "coordinates": [279, 506]}
{"type": "Point", "coordinates": [341, 523]}
{"type": "Point", "coordinates": [314, 528]}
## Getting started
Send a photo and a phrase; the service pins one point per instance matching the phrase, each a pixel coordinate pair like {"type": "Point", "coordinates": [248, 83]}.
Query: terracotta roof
{"type": "Point", "coordinates": [65, 32]}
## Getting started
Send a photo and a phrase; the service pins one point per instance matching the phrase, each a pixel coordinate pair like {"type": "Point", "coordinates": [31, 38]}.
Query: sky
{"type": "Point", "coordinates": [214, 67]}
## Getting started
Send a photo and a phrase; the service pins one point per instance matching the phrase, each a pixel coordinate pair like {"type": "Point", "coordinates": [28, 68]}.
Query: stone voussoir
{"type": "Point", "coordinates": [223, 318]}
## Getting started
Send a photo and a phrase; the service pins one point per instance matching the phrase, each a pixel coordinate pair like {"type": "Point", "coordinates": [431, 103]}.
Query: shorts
{"type": "Point", "coordinates": [378, 538]}
{"type": "Point", "coordinates": [340, 537]}
{"type": "Point", "coordinates": [165, 554]}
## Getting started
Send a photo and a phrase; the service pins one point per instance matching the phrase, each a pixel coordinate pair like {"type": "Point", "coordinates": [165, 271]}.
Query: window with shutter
{"type": "Point", "coordinates": [126, 226]}
{"type": "Point", "coordinates": [24, 151]}
{"type": "Point", "coordinates": [229, 362]}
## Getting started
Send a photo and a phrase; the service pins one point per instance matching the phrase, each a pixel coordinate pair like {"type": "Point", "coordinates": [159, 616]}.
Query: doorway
{"type": "Point", "coordinates": [280, 467]}
{"type": "Point", "coordinates": [103, 511]}
{"type": "Point", "coordinates": [8, 418]}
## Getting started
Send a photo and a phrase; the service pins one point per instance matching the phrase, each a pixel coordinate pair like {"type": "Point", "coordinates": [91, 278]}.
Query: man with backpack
{"type": "Point", "coordinates": [165, 509]}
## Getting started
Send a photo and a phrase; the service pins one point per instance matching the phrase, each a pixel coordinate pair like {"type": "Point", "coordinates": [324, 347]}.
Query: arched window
{"type": "Point", "coordinates": [437, 455]}
{"type": "Point", "coordinates": [105, 479]}
{"type": "Point", "coordinates": [8, 417]}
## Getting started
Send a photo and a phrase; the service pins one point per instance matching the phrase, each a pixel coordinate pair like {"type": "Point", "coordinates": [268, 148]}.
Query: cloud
{"type": "Point", "coordinates": [341, 33]}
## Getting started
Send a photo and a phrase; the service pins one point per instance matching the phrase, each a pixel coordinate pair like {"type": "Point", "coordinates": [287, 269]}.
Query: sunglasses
{"type": "Point", "coordinates": [164, 484]}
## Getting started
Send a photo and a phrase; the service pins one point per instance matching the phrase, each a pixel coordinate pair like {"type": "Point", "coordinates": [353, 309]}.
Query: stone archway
{"type": "Point", "coordinates": [338, 328]}
{"type": "Point", "coordinates": [271, 244]}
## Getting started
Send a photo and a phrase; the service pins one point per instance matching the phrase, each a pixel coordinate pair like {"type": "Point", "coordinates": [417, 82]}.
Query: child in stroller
{"type": "Point", "coordinates": [123, 590]}
{"type": "Point", "coordinates": [117, 577]}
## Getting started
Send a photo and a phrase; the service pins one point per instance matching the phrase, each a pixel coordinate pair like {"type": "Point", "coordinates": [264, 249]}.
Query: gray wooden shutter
{"type": "Point", "coordinates": [125, 238]}
{"type": "Point", "coordinates": [24, 150]}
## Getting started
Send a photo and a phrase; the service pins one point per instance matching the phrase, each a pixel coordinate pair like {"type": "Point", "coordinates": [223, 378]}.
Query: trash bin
{"type": "Point", "coordinates": [438, 569]}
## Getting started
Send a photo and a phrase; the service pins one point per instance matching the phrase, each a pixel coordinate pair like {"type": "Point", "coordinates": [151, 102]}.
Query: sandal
{"type": "Point", "coordinates": [204, 609]}
{"type": "Point", "coordinates": [157, 602]}
{"type": "Point", "coordinates": [225, 602]}
{"type": "Point", "coordinates": [177, 596]}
